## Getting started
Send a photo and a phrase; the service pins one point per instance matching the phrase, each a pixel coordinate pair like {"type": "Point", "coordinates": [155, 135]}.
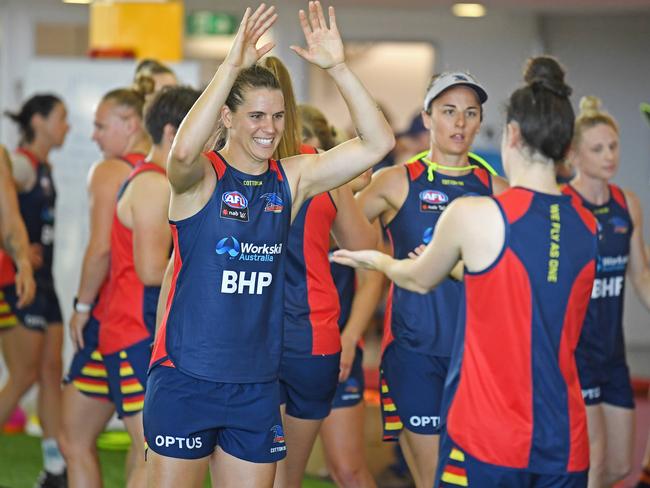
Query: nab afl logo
{"type": "Point", "coordinates": [234, 199]}
{"type": "Point", "coordinates": [433, 201]}
{"type": "Point", "coordinates": [234, 206]}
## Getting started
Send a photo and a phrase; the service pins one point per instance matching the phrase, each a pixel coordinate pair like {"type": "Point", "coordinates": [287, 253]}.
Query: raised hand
{"type": "Point", "coordinates": [244, 52]}
{"type": "Point", "coordinates": [324, 45]}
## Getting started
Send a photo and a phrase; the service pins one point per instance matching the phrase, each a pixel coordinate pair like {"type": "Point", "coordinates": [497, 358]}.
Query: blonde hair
{"type": "Point", "coordinates": [315, 121]}
{"type": "Point", "coordinates": [133, 97]}
{"type": "Point", "coordinates": [289, 144]}
{"type": "Point", "coordinates": [591, 115]}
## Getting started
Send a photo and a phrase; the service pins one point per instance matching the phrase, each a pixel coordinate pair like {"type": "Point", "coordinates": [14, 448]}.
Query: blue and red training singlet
{"type": "Point", "coordinates": [512, 397]}
{"type": "Point", "coordinates": [37, 211]}
{"type": "Point", "coordinates": [99, 311]}
{"type": "Point", "coordinates": [602, 335]}
{"type": "Point", "coordinates": [131, 306]}
{"type": "Point", "coordinates": [426, 323]}
{"type": "Point", "coordinates": [224, 317]}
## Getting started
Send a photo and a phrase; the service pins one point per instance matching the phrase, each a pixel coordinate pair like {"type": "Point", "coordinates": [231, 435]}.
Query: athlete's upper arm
{"type": "Point", "coordinates": [639, 267]}
{"type": "Point", "coordinates": [387, 191]}
{"type": "Point", "coordinates": [351, 229]}
{"type": "Point", "coordinates": [151, 232]}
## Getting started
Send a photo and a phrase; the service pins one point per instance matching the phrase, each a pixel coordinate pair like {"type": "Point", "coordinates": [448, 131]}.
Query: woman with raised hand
{"type": "Point", "coordinates": [604, 375]}
{"type": "Point", "coordinates": [512, 408]}
{"type": "Point", "coordinates": [33, 351]}
{"type": "Point", "coordinates": [121, 136]}
{"type": "Point", "coordinates": [212, 396]}
{"type": "Point", "coordinates": [408, 199]}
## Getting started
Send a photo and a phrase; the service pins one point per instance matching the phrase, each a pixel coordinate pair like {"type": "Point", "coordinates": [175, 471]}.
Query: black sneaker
{"type": "Point", "coordinates": [49, 480]}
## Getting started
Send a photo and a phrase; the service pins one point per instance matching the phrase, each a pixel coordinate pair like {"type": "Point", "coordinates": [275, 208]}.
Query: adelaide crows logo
{"type": "Point", "coordinates": [273, 203]}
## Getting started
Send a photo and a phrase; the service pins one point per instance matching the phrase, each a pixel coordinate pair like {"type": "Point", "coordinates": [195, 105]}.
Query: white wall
{"type": "Point", "coordinates": [608, 56]}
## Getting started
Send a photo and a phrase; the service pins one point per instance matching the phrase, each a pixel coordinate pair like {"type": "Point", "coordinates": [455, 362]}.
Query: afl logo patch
{"type": "Point", "coordinates": [433, 201]}
{"type": "Point", "coordinates": [234, 206]}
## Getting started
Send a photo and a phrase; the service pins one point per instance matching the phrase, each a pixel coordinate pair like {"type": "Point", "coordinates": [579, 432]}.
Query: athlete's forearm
{"type": "Point", "coordinates": [94, 272]}
{"type": "Point", "coordinates": [367, 294]}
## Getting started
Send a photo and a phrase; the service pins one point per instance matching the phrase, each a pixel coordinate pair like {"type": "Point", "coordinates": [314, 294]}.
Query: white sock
{"type": "Point", "coordinates": [53, 461]}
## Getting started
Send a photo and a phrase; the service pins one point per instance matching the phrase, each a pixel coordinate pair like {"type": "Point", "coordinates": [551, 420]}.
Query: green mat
{"type": "Point", "coordinates": [20, 462]}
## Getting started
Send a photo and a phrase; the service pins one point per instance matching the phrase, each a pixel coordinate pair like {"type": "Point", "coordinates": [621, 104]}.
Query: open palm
{"type": "Point", "coordinates": [324, 45]}
{"type": "Point", "coordinates": [244, 52]}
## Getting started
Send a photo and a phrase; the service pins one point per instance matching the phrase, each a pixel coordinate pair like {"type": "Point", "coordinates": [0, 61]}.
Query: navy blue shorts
{"type": "Point", "coordinates": [87, 370]}
{"type": "Point", "coordinates": [350, 392]}
{"type": "Point", "coordinates": [457, 468]}
{"type": "Point", "coordinates": [127, 377]}
{"type": "Point", "coordinates": [186, 417]}
{"type": "Point", "coordinates": [41, 313]}
{"type": "Point", "coordinates": [308, 385]}
{"type": "Point", "coordinates": [608, 383]}
{"type": "Point", "coordinates": [411, 391]}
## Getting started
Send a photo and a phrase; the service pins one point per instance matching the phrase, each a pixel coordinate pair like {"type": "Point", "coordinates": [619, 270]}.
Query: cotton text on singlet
{"type": "Point", "coordinates": [426, 323]}
{"type": "Point", "coordinates": [224, 317]}
{"type": "Point", "coordinates": [602, 338]}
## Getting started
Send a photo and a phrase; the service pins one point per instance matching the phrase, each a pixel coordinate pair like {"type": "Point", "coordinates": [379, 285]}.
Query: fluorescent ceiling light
{"type": "Point", "coordinates": [84, 2]}
{"type": "Point", "coordinates": [468, 10]}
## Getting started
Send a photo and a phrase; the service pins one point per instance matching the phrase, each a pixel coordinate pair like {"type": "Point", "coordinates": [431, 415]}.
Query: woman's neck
{"type": "Point", "coordinates": [241, 161]}
{"type": "Point", "coordinates": [594, 190]}
{"type": "Point", "coordinates": [534, 175]}
{"type": "Point", "coordinates": [140, 143]}
{"type": "Point", "coordinates": [40, 149]}
{"type": "Point", "coordinates": [451, 160]}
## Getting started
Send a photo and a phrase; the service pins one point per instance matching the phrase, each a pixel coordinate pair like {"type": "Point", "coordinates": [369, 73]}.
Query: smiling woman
{"type": "Point", "coordinates": [222, 327]}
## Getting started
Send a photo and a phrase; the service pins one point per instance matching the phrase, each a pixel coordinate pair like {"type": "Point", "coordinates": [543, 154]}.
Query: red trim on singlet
{"type": "Point", "coordinates": [575, 314]}
{"type": "Point", "coordinates": [29, 155]}
{"type": "Point", "coordinates": [415, 169]}
{"type": "Point", "coordinates": [217, 163]}
{"type": "Point", "coordinates": [585, 215]}
{"type": "Point", "coordinates": [515, 203]}
{"type": "Point", "coordinates": [159, 352]}
{"type": "Point", "coordinates": [307, 149]}
{"type": "Point", "coordinates": [273, 166]}
{"type": "Point", "coordinates": [144, 167]}
{"type": "Point", "coordinates": [387, 336]}
{"type": "Point", "coordinates": [322, 296]}
{"type": "Point", "coordinates": [497, 385]}
{"type": "Point", "coordinates": [483, 176]}
{"type": "Point", "coordinates": [133, 159]}
{"type": "Point", "coordinates": [618, 196]}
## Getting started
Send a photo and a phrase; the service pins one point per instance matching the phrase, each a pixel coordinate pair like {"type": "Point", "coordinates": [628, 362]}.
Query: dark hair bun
{"type": "Point", "coordinates": [546, 72]}
{"type": "Point", "coordinates": [144, 85]}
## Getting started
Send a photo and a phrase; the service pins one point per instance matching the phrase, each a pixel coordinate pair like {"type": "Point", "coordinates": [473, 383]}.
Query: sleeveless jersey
{"type": "Point", "coordinates": [224, 316]}
{"type": "Point", "coordinates": [344, 280]}
{"type": "Point", "coordinates": [426, 323]}
{"type": "Point", "coordinates": [99, 310]}
{"type": "Point", "coordinates": [512, 397]}
{"type": "Point", "coordinates": [311, 305]}
{"type": "Point", "coordinates": [37, 210]}
{"type": "Point", "coordinates": [131, 306]}
{"type": "Point", "coordinates": [602, 335]}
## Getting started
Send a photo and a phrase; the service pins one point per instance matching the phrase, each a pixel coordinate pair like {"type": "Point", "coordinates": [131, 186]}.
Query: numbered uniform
{"type": "Point", "coordinates": [37, 210]}
{"type": "Point", "coordinates": [513, 408]}
{"type": "Point", "coordinates": [87, 370]}
{"type": "Point", "coordinates": [214, 371]}
{"type": "Point", "coordinates": [604, 374]}
{"type": "Point", "coordinates": [419, 329]}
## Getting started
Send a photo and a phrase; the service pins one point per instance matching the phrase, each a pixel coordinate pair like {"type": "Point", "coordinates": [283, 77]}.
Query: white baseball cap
{"type": "Point", "coordinates": [448, 80]}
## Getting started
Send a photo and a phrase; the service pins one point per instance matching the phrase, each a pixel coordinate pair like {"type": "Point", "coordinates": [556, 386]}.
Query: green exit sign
{"type": "Point", "coordinates": [206, 23]}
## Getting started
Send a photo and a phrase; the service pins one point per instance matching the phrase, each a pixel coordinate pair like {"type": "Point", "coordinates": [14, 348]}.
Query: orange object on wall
{"type": "Point", "coordinates": [148, 29]}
